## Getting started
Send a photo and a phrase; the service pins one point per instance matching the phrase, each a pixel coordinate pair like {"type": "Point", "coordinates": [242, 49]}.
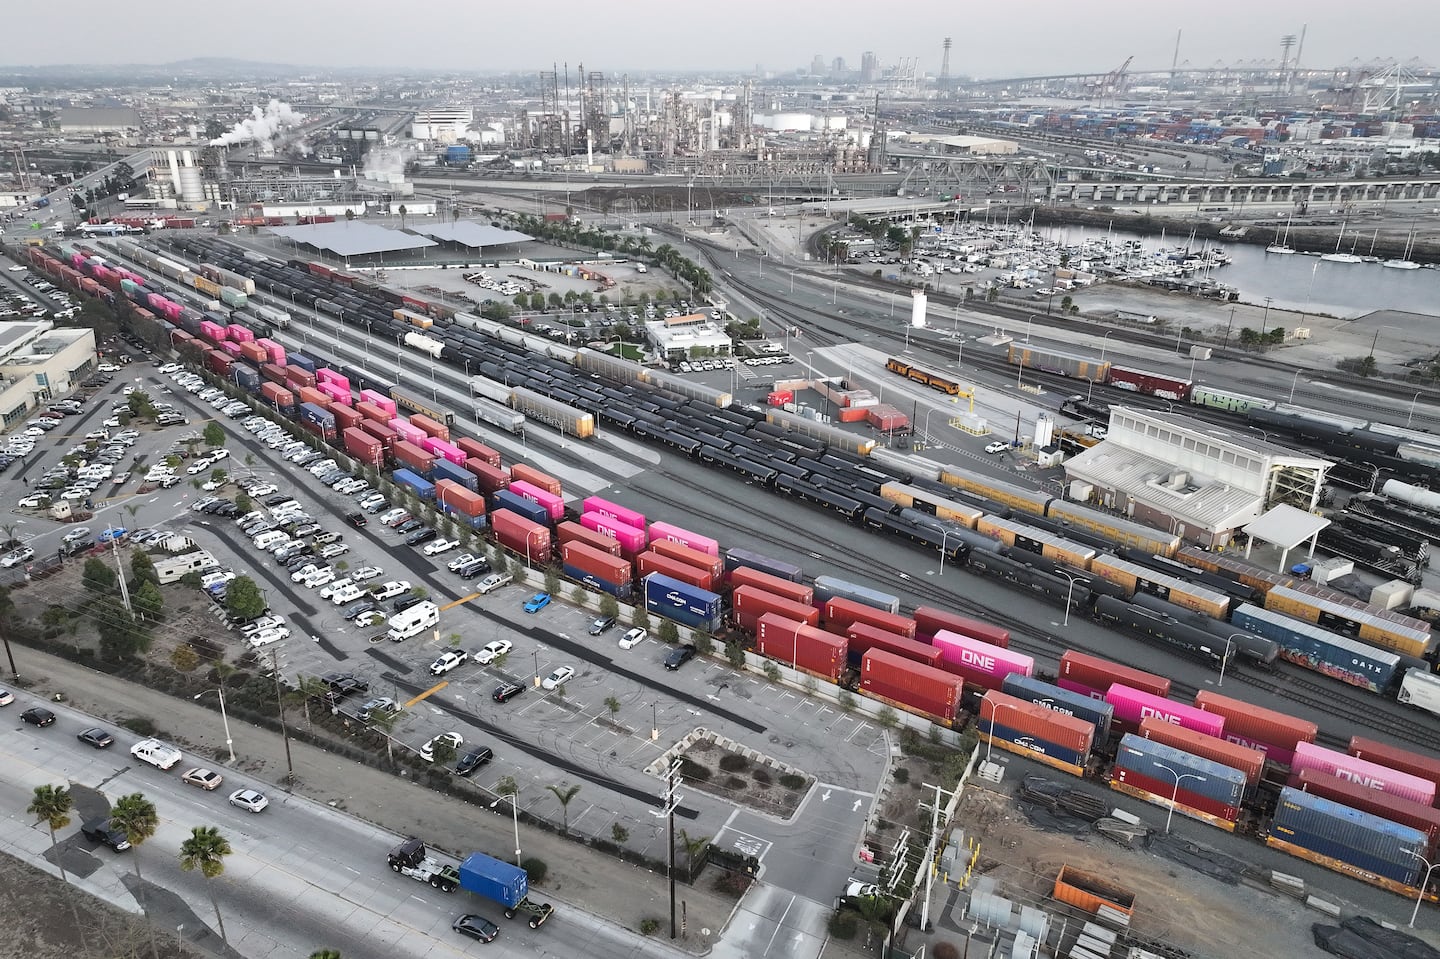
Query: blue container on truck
{"type": "Point", "coordinates": [1346, 659]}
{"type": "Point", "coordinates": [1207, 777]}
{"type": "Point", "coordinates": [1045, 747]}
{"type": "Point", "coordinates": [300, 360]}
{"type": "Point", "coordinates": [413, 481]}
{"type": "Point", "coordinates": [501, 882]}
{"type": "Point", "coordinates": [1094, 711]}
{"type": "Point", "coordinates": [444, 469]}
{"type": "Point", "coordinates": [828, 588]}
{"type": "Point", "coordinates": [1328, 829]}
{"type": "Point", "coordinates": [736, 558]}
{"type": "Point", "coordinates": [686, 604]}
{"type": "Point", "coordinates": [319, 419]}
{"type": "Point", "coordinates": [618, 590]}
{"type": "Point", "coordinates": [246, 377]}
{"type": "Point", "coordinates": [515, 503]}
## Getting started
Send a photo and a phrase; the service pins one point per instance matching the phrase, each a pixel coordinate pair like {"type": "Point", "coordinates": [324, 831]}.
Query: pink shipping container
{"type": "Point", "coordinates": [632, 541]}
{"type": "Point", "coordinates": [594, 504]}
{"type": "Point", "coordinates": [213, 332]}
{"type": "Point", "coordinates": [684, 537]}
{"type": "Point", "coordinates": [233, 348]}
{"type": "Point", "coordinates": [445, 450]}
{"type": "Point", "coordinates": [554, 505]}
{"type": "Point", "coordinates": [276, 351]}
{"type": "Point", "coordinates": [380, 400]}
{"type": "Point", "coordinates": [337, 393]}
{"type": "Point", "coordinates": [239, 334]}
{"type": "Point", "coordinates": [980, 663]}
{"type": "Point", "coordinates": [327, 375]}
{"type": "Point", "coordinates": [410, 434]}
{"type": "Point", "coordinates": [1362, 772]}
{"type": "Point", "coordinates": [1132, 706]}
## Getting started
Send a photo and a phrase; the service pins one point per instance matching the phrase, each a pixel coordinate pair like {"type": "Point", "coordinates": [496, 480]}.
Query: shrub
{"type": "Point", "coordinates": [772, 671]}
{"type": "Point", "coordinates": [139, 725]}
{"type": "Point", "coordinates": [761, 776]}
{"type": "Point", "coordinates": [619, 833]}
{"type": "Point", "coordinates": [648, 926]}
{"type": "Point", "coordinates": [901, 775]}
{"type": "Point", "coordinates": [736, 783]}
{"type": "Point", "coordinates": [844, 925]}
{"type": "Point", "coordinates": [792, 781]}
{"type": "Point", "coordinates": [846, 699]}
{"type": "Point", "coordinates": [690, 769]}
{"type": "Point", "coordinates": [946, 950]}
{"type": "Point", "coordinates": [535, 869]}
{"type": "Point", "coordinates": [735, 655]}
{"type": "Point", "coordinates": [732, 763]}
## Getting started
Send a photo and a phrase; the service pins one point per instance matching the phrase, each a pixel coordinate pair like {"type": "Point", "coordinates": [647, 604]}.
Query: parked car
{"type": "Point", "coordinates": [558, 677]}
{"type": "Point", "coordinates": [679, 656]}
{"type": "Point", "coordinates": [491, 651]}
{"type": "Point", "coordinates": [633, 638]}
{"type": "Point", "coordinates": [537, 602]}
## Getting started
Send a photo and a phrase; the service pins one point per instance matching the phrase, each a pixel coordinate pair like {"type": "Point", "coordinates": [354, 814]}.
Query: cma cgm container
{"type": "Point", "coordinates": [828, 588]}
{"type": "Point", "coordinates": [737, 558]}
{"type": "Point", "coordinates": [528, 539]}
{"type": "Point", "coordinates": [980, 663]}
{"type": "Point", "coordinates": [438, 430]}
{"type": "Point", "coordinates": [413, 457]}
{"type": "Point", "coordinates": [1393, 808]}
{"type": "Point", "coordinates": [1393, 757]}
{"type": "Point", "coordinates": [749, 603]}
{"type": "Point", "coordinates": [804, 647]}
{"type": "Point", "coordinates": [631, 540]}
{"type": "Point", "coordinates": [1363, 772]}
{"type": "Point", "coordinates": [684, 537]}
{"type": "Point", "coordinates": [1206, 790]}
{"type": "Point", "coordinates": [460, 503]}
{"type": "Point", "coordinates": [317, 421]}
{"type": "Point", "coordinates": [929, 621]}
{"type": "Point", "coordinates": [281, 399]}
{"type": "Point", "coordinates": [911, 686]}
{"type": "Point", "coordinates": [863, 637]}
{"type": "Point", "coordinates": [1346, 840]}
{"type": "Point", "coordinates": [569, 532]}
{"type": "Point", "coordinates": [1055, 739]}
{"type": "Point", "coordinates": [478, 450]}
{"type": "Point", "coordinates": [1273, 733]}
{"type": "Point", "coordinates": [1134, 705]}
{"type": "Point", "coordinates": [594, 504]}
{"type": "Point", "coordinates": [513, 502]}
{"type": "Point", "coordinates": [380, 401]}
{"type": "Point", "coordinates": [593, 567]}
{"type": "Point", "coordinates": [528, 474]}
{"type": "Point", "coordinates": [365, 448]}
{"type": "Point", "coordinates": [1093, 676]}
{"type": "Point", "coordinates": [1339, 657]}
{"type": "Point", "coordinates": [446, 470]}
{"type": "Point", "coordinates": [713, 565]}
{"type": "Point", "coordinates": [1096, 712]}
{"type": "Point", "coordinates": [1251, 762]}
{"type": "Point", "coordinates": [554, 505]}
{"type": "Point", "coordinates": [653, 562]}
{"type": "Point", "coordinates": [798, 592]}
{"type": "Point", "coordinates": [840, 612]}
{"type": "Point", "coordinates": [685, 604]}
{"type": "Point", "coordinates": [492, 478]}
{"type": "Point", "coordinates": [421, 487]}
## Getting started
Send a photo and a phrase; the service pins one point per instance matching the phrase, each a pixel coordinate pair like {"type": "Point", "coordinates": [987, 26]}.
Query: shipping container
{"type": "Point", "coordinates": [275, 353]}
{"type": "Point", "coordinates": [523, 536]}
{"type": "Point", "coordinates": [346, 418]}
{"type": "Point", "coordinates": [295, 377]}
{"type": "Point", "coordinates": [980, 663]}
{"type": "Point", "coordinates": [737, 558]}
{"type": "Point", "coordinates": [746, 576]}
{"type": "Point", "coordinates": [1390, 808]}
{"type": "Point", "coordinates": [1134, 705]}
{"type": "Point", "coordinates": [622, 591]}
{"type": "Point", "coordinates": [632, 541]}
{"type": "Point", "coordinates": [438, 430]}
{"type": "Point", "coordinates": [408, 432]}
{"type": "Point", "coordinates": [841, 612]}
{"type": "Point", "coordinates": [219, 362]}
{"type": "Point", "coordinates": [372, 412]}
{"type": "Point", "coordinates": [443, 469]}
{"type": "Point", "coordinates": [714, 565]}
{"type": "Point", "coordinates": [1347, 840]}
{"type": "Point", "coordinates": [414, 482]}
{"type": "Point", "coordinates": [594, 562]}
{"type": "Point", "coordinates": [528, 474]}
{"type": "Point", "coordinates": [1318, 649]}
{"type": "Point", "coordinates": [1093, 894]}
{"type": "Point", "coordinates": [1362, 772]}
{"type": "Point", "coordinates": [457, 501]}
{"type": "Point", "coordinates": [492, 478]}
{"type": "Point", "coordinates": [381, 432]}
{"type": "Point", "coordinates": [569, 532]}
{"type": "Point", "coordinates": [630, 517]}
{"type": "Point", "coordinates": [478, 450]}
{"type": "Point", "coordinates": [327, 375]}
{"type": "Point", "coordinates": [931, 503]}
{"type": "Point", "coordinates": [1273, 733]}
{"type": "Point", "coordinates": [1018, 726]}
{"type": "Point", "coordinates": [281, 399]}
{"type": "Point", "coordinates": [554, 505]}
{"type": "Point", "coordinates": [303, 362]}
{"type": "Point", "coordinates": [1093, 676]}
{"type": "Point", "coordinates": [311, 395]}
{"type": "Point", "coordinates": [929, 621]}
{"type": "Point", "coordinates": [364, 447]}
{"type": "Point", "coordinates": [749, 603]}
{"type": "Point", "coordinates": [652, 562]}
{"type": "Point", "coordinates": [337, 394]}
{"type": "Point", "coordinates": [380, 401]}
{"type": "Point", "coordinates": [863, 636]}
{"type": "Point", "coordinates": [911, 686]}
{"type": "Point", "coordinates": [828, 588]}
{"type": "Point", "coordinates": [683, 603]}
{"type": "Point", "coordinates": [803, 646]}
{"type": "Point", "coordinates": [684, 537]}
{"type": "Point", "coordinates": [443, 450]}
{"type": "Point", "coordinates": [515, 503]}
{"type": "Point", "coordinates": [413, 457]}
{"type": "Point", "coordinates": [1393, 757]}
{"type": "Point", "coordinates": [1096, 712]}
{"type": "Point", "coordinates": [1251, 762]}
{"type": "Point", "coordinates": [1210, 778]}
{"type": "Point", "coordinates": [1027, 539]}
{"type": "Point", "coordinates": [1400, 634]}
{"type": "Point", "coordinates": [254, 353]}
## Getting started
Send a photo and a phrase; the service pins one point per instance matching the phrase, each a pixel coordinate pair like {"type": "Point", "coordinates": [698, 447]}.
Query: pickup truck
{"type": "Point", "coordinates": [409, 859]}
{"type": "Point", "coordinates": [492, 582]}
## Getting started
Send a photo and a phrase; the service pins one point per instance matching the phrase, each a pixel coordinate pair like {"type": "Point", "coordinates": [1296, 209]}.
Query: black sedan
{"type": "Point", "coordinates": [476, 927]}
{"type": "Point", "coordinates": [420, 536]}
{"type": "Point", "coordinates": [38, 716]}
{"type": "Point", "coordinates": [473, 760]}
{"type": "Point", "coordinates": [409, 526]}
{"type": "Point", "coordinates": [97, 737]}
{"type": "Point", "coordinates": [356, 520]}
{"type": "Point", "coordinates": [679, 656]}
{"type": "Point", "coordinates": [506, 692]}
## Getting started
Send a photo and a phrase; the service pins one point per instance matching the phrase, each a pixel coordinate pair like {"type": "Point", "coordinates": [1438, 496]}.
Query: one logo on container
{"type": "Point", "coordinates": [1149, 711]}
{"type": "Point", "coordinates": [969, 657]}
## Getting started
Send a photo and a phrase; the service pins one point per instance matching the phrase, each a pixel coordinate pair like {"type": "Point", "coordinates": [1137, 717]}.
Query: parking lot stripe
{"type": "Point", "coordinates": [459, 602]}
{"type": "Point", "coordinates": [428, 693]}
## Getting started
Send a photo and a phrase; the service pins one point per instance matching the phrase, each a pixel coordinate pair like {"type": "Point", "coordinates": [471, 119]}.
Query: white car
{"type": "Point", "coordinates": [427, 751]}
{"type": "Point", "coordinates": [112, 421]}
{"type": "Point", "coordinates": [261, 624]}
{"type": "Point", "coordinates": [249, 800]}
{"type": "Point", "coordinates": [15, 557]}
{"type": "Point", "coordinates": [346, 594]}
{"type": "Point", "coordinates": [267, 636]}
{"type": "Point", "coordinates": [76, 534]}
{"type": "Point", "coordinates": [216, 456]}
{"type": "Point", "coordinates": [333, 551]}
{"type": "Point", "coordinates": [464, 559]}
{"type": "Point", "coordinates": [320, 577]}
{"type": "Point", "coordinates": [211, 486]}
{"type": "Point", "coordinates": [158, 754]}
{"type": "Point", "coordinates": [391, 589]}
{"type": "Point", "coordinates": [35, 501]}
{"type": "Point", "coordinates": [300, 574]}
{"type": "Point", "coordinates": [441, 546]}
{"type": "Point", "coordinates": [492, 651]}
{"type": "Point", "coordinates": [558, 678]}
{"type": "Point", "coordinates": [996, 447]}
{"type": "Point", "coordinates": [329, 591]}
{"type": "Point", "coordinates": [264, 489]}
{"type": "Point", "coordinates": [448, 660]}
{"type": "Point", "coordinates": [199, 466]}
{"type": "Point", "coordinates": [366, 573]}
{"type": "Point", "coordinates": [633, 638]}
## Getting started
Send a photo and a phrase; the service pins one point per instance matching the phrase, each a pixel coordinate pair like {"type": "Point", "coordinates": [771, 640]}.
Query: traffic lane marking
{"type": "Point", "coordinates": [427, 693]}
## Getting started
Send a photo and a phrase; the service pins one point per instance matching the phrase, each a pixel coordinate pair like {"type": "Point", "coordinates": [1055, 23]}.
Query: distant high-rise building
{"type": "Point", "coordinates": [869, 67]}
{"type": "Point", "coordinates": [837, 67]}
{"type": "Point", "coordinates": [817, 66]}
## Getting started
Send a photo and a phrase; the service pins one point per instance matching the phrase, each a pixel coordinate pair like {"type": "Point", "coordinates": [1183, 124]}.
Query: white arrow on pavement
{"type": "Point", "coordinates": [856, 807]}
{"type": "Point", "coordinates": [825, 796]}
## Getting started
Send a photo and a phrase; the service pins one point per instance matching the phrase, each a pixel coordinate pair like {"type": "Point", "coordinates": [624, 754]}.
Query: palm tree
{"type": "Point", "coordinates": [565, 794]}
{"type": "Point", "coordinates": [135, 816]}
{"type": "Point", "coordinates": [52, 805]}
{"type": "Point", "coordinates": [206, 850]}
{"type": "Point", "coordinates": [694, 847]}
{"type": "Point", "coordinates": [307, 688]}
{"type": "Point", "coordinates": [402, 212]}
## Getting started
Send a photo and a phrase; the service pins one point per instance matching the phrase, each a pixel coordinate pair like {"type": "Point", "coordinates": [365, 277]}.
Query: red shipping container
{"type": "Point", "coordinates": [1394, 757]}
{"type": "Point", "coordinates": [296, 377]}
{"type": "Point", "coordinates": [886, 418]}
{"type": "Point", "coordinates": [1251, 762]}
{"type": "Point", "coordinates": [381, 432]}
{"type": "Point", "coordinates": [929, 621]}
{"type": "Point", "coordinates": [310, 395]}
{"type": "Point", "coordinates": [413, 457]}
{"type": "Point", "coordinates": [780, 398]}
{"type": "Point", "coordinates": [652, 562]}
{"type": "Point", "coordinates": [598, 563]}
{"type": "Point", "coordinates": [478, 450]}
{"type": "Point", "coordinates": [1023, 716]}
{"type": "Point", "coordinates": [517, 533]}
{"type": "Point", "coordinates": [910, 685]}
{"type": "Point", "coordinates": [840, 613]}
{"type": "Point", "coordinates": [253, 353]}
{"type": "Point", "coordinates": [273, 373]}
{"type": "Point", "coordinates": [346, 417]}
{"type": "Point", "coordinates": [1393, 808]}
{"type": "Point", "coordinates": [536, 478]}
{"type": "Point", "coordinates": [1363, 772]}
{"type": "Point", "coordinates": [372, 412]}
{"type": "Point", "coordinates": [438, 430]}
{"type": "Point", "coordinates": [853, 414]}
{"type": "Point", "coordinates": [864, 637]}
{"type": "Point", "coordinates": [691, 557]}
{"type": "Point", "coordinates": [363, 446]}
{"type": "Point", "coordinates": [804, 647]}
{"type": "Point", "coordinates": [218, 361]}
{"type": "Point", "coordinates": [1094, 676]}
{"type": "Point", "coordinates": [750, 603]}
{"type": "Point", "coordinates": [277, 395]}
{"type": "Point", "coordinates": [492, 478]}
{"type": "Point", "coordinates": [1165, 791]}
{"type": "Point", "coordinates": [798, 592]}
{"type": "Point", "coordinates": [1271, 732]}
{"type": "Point", "coordinates": [571, 532]}
{"type": "Point", "coordinates": [459, 499]}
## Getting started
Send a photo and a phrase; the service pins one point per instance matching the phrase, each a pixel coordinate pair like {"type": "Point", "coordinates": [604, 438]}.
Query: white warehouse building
{"type": "Point", "coordinates": [442, 126]}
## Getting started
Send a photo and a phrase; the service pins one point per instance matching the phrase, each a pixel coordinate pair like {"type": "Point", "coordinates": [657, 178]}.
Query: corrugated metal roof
{"type": "Point", "coordinates": [1201, 502]}
{"type": "Point", "coordinates": [469, 233]}
{"type": "Point", "coordinates": [352, 238]}
{"type": "Point", "coordinates": [1285, 526]}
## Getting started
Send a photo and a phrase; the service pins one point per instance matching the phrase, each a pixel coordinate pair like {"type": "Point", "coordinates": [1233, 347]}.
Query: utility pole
{"type": "Point", "coordinates": [672, 799]}
{"type": "Point", "coordinates": [120, 572]}
{"type": "Point", "coordinates": [930, 849]}
{"type": "Point", "coordinates": [280, 706]}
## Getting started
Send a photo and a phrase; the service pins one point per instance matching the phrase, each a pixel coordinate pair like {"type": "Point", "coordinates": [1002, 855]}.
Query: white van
{"type": "Point", "coordinates": [270, 539]}
{"type": "Point", "coordinates": [158, 754]}
{"type": "Point", "coordinates": [415, 620]}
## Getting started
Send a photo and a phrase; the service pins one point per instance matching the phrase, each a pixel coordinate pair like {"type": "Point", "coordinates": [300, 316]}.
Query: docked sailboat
{"type": "Point", "coordinates": [1404, 263]}
{"type": "Point", "coordinates": [1279, 245]}
{"type": "Point", "coordinates": [1337, 256]}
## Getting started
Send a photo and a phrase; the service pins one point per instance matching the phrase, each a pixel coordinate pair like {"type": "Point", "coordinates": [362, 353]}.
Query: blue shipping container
{"type": "Point", "coordinates": [828, 587]}
{"type": "Point", "coordinates": [618, 590]}
{"type": "Point", "coordinates": [736, 558]}
{"type": "Point", "coordinates": [682, 602]}
{"type": "Point", "coordinates": [534, 512]}
{"type": "Point", "coordinates": [1349, 835]}
{"type": "Point", "coordinates": [317, 415]}
{"type": "Point", "coordinates": [1208, 778]}
{"type": "Point", "coordinates": [1348, 660]}
{"type": "Point", "coordinates": [444, 469]}
{"type": "Point", "coordinates": [1035, 744]}
{"type": "Point", "coordinates": [474, 522]}
{"type": "Point", "coordinates": [297, 359]}
{"type": "Point", "coordinates": [1096, 712]}
{"type": "Point", "coordinates": [494, 879]}
{"type": "Point", "coordinates": [423, 488]}
{"type": "Point", "coordinates": [245, 378]}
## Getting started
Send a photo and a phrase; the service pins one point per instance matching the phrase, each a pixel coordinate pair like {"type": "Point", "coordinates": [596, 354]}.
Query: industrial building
{"type": "Point", "coordinates": [1198, 481]}
{"type": "Point", "coordinates": [87, 121]}
{"type": "Point", "coordinates": [39, 362]}
{"type": "Point", "coordinates": [442, 126]}
{"type": "Point", "coordinates": [679, 338]}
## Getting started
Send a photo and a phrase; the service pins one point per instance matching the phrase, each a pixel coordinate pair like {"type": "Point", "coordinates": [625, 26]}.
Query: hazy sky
{"type": "Point", "coordinates": [993, 38]}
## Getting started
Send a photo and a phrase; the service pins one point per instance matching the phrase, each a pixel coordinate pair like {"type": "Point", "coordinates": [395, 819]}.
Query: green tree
{"type": "Point", "coordinates": [609, 606]}
{"type": "Point", "coordinates": [612, 704]}
{"type": "Point", "coordinates": [52, 805]}
{"type": "Point", "coordinates": [121, 635]}
{"type": "Point", "coordinates": [565, 794]}
{"type": "Point", "coordinates": [555, 300]}
{"type": "Point", "coordinates": [668, 631]}
{"type": "Point", "coordinates": [552, 581]}
{"type": "Point", "coordinates": [141, 405]}
{"type": "Point", "coordinates": [537, 301]}
{"type": "Point", "coordinates": [142, 569]}
{"type": "Point", "coordinates": [148, 602]}
{"type": "Point", "coordinates": [243, 502]}
{"type": "Point", "coordinates": [243, 599]}
{"type": "Point", "coordinates": [402, 211]}
{"type": "Point", "coordinates": [506, 786]}
{"type": "Point", "coordinates": [443, 752]}
{"type": "Point", "coordinates": [98, 577]}
{"type": "Point", "coordinates": [206, 850]}
{"type": "Point", "coordinates": [214, 435]}
{"type": "Point", "coordinates": [521, 301]}
{"type": "Point", "coordinates": [694, 848]}
{"type": "Point", "coordinates": [135, 816]}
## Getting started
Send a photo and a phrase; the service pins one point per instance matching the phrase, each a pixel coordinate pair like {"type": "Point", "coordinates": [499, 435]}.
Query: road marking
{"type": "Point", "coordinates": [856, 807]}
{"type": "Point", "coordinates": [460, 602]}
{"type": "Point", "coordinates": [825, 796]}
{"type": "Point", "coordinates": [778, 925]}
{"type": "Point", "coordinates": [428, 693]}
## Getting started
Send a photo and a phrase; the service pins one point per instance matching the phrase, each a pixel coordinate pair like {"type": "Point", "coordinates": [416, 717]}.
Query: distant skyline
{"type": "Point", "coordinates": [990, 39]}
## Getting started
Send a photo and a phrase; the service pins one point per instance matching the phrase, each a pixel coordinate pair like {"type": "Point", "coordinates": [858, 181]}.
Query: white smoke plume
{"type": "Point", "coordinates": [261, 126]}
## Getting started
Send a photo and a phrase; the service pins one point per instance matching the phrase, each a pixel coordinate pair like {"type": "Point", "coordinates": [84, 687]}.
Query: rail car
{"type": "Point", "coordinates": [851, 509]}
{"type": "Point", "coordinates": [955, 549]}
{"type": "Point", "coordinates": [930, 378]}
{"type": "Point", "coordinates": [1254, 649]}
{"type": "Point", "coordinates": [1195, 643]}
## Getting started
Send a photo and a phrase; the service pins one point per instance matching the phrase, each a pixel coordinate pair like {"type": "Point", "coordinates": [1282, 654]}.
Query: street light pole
{"type": "Point", "coordinates": [1295, 379]}
{"type": "Point", "coordinates": [944, 546]}
{"type": "Point", "coordinates": [1229, 649]}
{"type": "Point", "coordinates": [990, 742]}
{"type": "Point", "coordinates": [514, 815]}
{"type": "Point", "coordinates": [1103, 344]}
{"type": "Point", "coordinates": [1175, 793]}
{"type": "Point", "coordinates": [1411, 415]}
{"type": "Point", "coordinates": [1423, 883]}
{"type": "Point", "coordinates": [1069, 592]}
{"type": "Point", "coordinates": [224, 719]}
